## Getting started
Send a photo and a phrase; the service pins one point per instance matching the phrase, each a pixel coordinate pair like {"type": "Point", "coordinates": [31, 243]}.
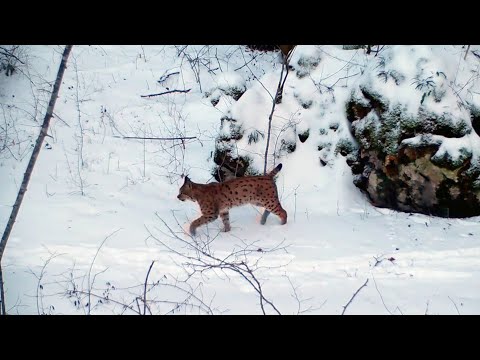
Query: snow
{"type": "Point", "coordinates": [334, 239]}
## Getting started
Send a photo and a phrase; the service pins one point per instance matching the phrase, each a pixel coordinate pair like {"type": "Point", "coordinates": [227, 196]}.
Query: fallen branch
{"type": "Point", "coordinates": [155, 138]}
{"type": "Point", "coordinates": [166, 92]}
{"type": "Point", "coordinates": [360, 288]}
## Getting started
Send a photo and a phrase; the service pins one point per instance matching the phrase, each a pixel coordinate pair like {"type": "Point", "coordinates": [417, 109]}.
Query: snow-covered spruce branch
{"type": "Point", "coordinates": [197, 258]}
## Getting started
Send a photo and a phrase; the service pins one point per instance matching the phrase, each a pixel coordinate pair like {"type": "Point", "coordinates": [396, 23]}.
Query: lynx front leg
{"type": "Point", "coordinates": [226, 220]}
{"type": "Point", "coordinates": [204, 219]}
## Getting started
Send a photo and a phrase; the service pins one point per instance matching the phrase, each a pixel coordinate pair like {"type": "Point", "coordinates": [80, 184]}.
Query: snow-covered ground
{"type": "Point", "coordinates": [98, 207]}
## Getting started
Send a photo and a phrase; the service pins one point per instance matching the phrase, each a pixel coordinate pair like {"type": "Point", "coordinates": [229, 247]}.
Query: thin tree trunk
{"type": "Point", "coordinates": [36, 151]}
{"type": "Point", "coordinates": [2, 294]}
{"type": "Point", "coordinates": [278, 96]}
{"type": "Point", "coordinates": [276, 100]}
{"type": "Point", "coordinates": [466, 52]}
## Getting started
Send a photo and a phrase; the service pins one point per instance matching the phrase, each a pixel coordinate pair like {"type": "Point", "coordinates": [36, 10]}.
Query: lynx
{"type": "Point", "coordinates": [216, 199]}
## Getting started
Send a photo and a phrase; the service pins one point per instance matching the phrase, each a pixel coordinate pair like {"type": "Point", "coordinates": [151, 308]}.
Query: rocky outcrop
{"type": "Point", "coordinates": [404, 162]}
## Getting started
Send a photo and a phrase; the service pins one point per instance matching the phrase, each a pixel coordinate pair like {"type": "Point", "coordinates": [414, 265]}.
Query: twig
{"type": "Point", "coordinates": [145, 289]}
{"type": "Point", "coordinates": [381, 297]}
{"type": "Point", "coordinates": [360, 288]}
{"type": "Point", "coordinates": [246, 63]}
{"type": "Point", "coordinates": [378, 260]}
{"type": "Point", "coordinates": [458, 312]}
{"type": "Point", "coordinates": [90, 269]}
{"type": "Point", "coordinates": [39, 285]}
{"type": "Point", "coordinates": [9, 53]}
{"type": "Point", "coordinates": [166, 92]}
{"type": "Point", "coordinates": [166, 76]}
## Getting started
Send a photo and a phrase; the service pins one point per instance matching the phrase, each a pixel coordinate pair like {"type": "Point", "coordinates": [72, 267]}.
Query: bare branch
{"type": "Point", "coordinates": [356, 292]}
{"type": "Point", "coordinates": [145, 289]}
{"type": "Point", "coordinates": [381, 297]}
{"type": "Point", "coordinates": [274, 103]}
{"type": "Point", "coordinates": [202, 260]}
{"type": "Point", "coordinates": [90, 285]}
{"type": "Point", "coordinates": [9, 53]}
{"type": "Point", "coordinates": [458, 312]}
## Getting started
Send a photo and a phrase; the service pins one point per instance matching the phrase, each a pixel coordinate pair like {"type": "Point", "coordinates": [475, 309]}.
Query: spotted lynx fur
{"type": "Point", "coordinates": [215, 199]}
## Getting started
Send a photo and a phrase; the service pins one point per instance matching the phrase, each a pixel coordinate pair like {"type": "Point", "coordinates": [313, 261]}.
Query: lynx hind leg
{"type": "Point", "coordinates": [225, 216]}
{"type": "Point", "coordinates": [279, 211]}
{"type": "Point", "coordinates": [263, 219]}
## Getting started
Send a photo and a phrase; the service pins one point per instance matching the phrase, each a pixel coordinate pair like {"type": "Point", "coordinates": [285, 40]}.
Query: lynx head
{"type": "Point", "coordinates": [185, 192]}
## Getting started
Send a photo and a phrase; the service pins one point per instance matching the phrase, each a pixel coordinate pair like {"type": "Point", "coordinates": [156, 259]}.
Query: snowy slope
{"type": "Point", "coordinates": [97, 204]}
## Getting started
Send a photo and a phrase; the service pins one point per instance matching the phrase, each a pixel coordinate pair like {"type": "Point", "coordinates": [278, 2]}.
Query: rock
{"type": "Point", "coordinates": [400, 162]}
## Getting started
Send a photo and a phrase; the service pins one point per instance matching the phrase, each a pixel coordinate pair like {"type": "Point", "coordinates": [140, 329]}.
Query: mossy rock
{"type": "Point", "coordinates": [228, 164]}
{"type": "Point", "coordinates": [475, 118]}
{"type": "Point", "coordinates": [379, 103]}
{"type": "Point", "coordinates": [324, 145]}
{"type": "Point", "coordinates": [236, 130]}
{"type": "Point", "coordinates": [235, 92]}
{"type": "Point", "coordinates": [264, 48]}
{"type": "Point", "coordinates": [445, 160]}
{"type": "Point", "coordinates": [345, 147]}
{"type": "Point", "coordinates": [306, 64]}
